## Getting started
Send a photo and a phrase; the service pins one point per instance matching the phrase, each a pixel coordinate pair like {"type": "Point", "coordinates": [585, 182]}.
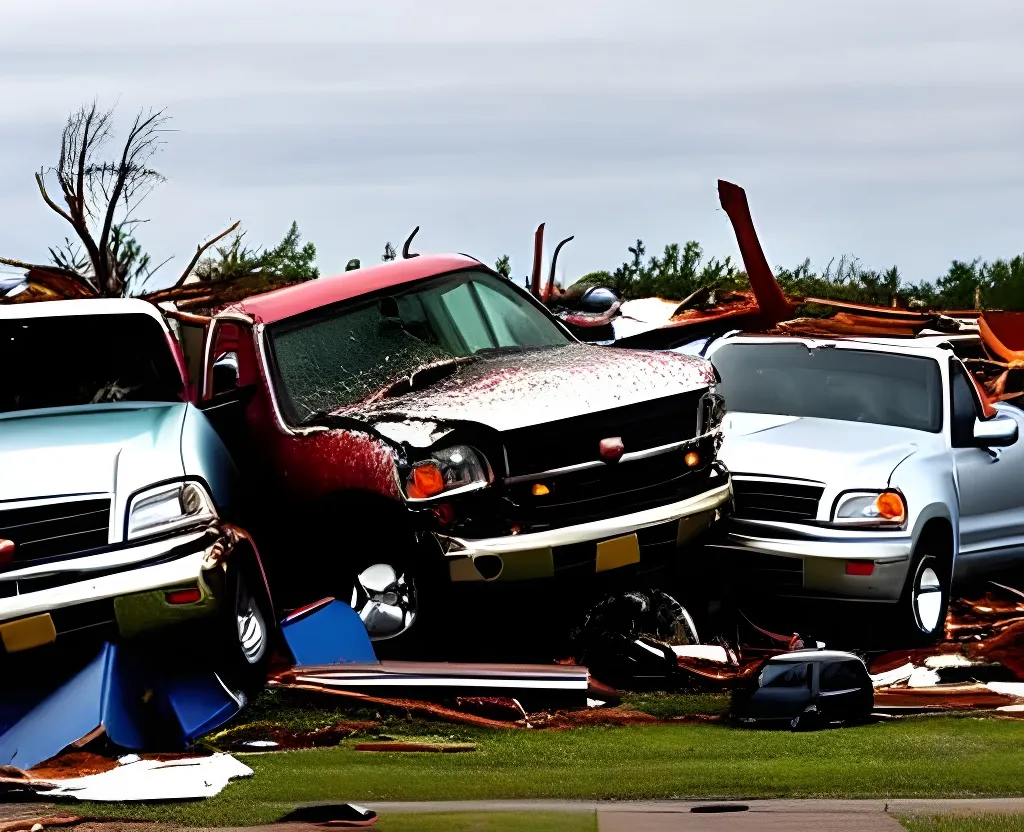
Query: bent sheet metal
{"type": "Point", "coordinates": [333, 653]}
{"type": "Point", "coordinates": [123, 692]}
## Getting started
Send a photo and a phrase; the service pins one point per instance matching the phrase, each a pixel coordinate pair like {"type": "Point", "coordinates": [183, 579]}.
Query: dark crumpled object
{"type": "Point", "coordinates": [630, 636]}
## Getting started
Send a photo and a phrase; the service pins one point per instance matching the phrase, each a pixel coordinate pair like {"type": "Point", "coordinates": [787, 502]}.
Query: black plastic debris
{"type": "Point", "coordinates": [333, 814]}
{"type": "Point", "coordinates": [629, 637]}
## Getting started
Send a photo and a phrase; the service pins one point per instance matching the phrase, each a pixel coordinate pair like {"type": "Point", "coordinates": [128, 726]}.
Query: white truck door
{"type": "Point", "coordinates": [990, 483]}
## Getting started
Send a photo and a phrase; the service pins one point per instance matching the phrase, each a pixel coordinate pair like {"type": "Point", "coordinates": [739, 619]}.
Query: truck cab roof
{"type": "Point", "coordinates": [324, 291]}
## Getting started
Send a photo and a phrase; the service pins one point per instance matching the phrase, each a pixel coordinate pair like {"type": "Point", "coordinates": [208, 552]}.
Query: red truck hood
{"type": "Point", "coordinates": [521, 389]}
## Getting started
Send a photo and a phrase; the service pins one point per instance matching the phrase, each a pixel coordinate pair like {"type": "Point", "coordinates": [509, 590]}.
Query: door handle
{"type": "Point", "coordinates": [995, 453]}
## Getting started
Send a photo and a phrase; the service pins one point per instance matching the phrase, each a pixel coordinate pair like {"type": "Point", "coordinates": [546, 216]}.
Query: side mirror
{"type": "Point", "coordinates": [995, 433]}
{"type": "Point", "coordinates": [225, 373]}
{"type": "Point", "coordinates": [598, 299]}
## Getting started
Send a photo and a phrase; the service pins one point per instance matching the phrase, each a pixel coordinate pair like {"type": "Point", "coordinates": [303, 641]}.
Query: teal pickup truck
{"type": "Point", "coordinates": [116, 495]}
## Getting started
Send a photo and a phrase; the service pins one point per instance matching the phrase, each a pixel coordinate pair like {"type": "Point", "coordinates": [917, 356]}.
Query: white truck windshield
{"type": "Point", "coordinates": [829, 383]}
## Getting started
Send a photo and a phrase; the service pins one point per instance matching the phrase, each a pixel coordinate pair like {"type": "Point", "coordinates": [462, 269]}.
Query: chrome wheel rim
{"type": "Point", "coordinates": [385, 600]}
{"type": "Point", "coordinates": [928, 600]}
{"type": "Point", "coordinates": [252, 629]}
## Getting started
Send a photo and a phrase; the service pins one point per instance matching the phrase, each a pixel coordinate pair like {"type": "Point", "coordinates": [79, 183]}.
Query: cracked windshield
{"type": "Point", "coordinates": [343, 356]}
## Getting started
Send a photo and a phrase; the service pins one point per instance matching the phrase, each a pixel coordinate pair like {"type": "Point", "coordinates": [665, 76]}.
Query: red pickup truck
{"type": "Point", "coordinates": [425, 424]}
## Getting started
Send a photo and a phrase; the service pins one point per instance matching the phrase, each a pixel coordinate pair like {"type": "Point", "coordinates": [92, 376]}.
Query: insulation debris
{"type": "Point", "coordinates": [129, 778]}
{"type": "Point", "coordinates": [135, 779]}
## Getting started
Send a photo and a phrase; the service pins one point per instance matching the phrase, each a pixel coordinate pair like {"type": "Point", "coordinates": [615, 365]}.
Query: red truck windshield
{"type": "Point", "coordinates": [67, 361]}
{"type": "Point", "coordinates": [341, 356]}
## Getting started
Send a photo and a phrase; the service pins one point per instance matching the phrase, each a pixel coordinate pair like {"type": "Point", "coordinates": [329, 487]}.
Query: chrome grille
{"type": "Point", "coordinates": [56, 529]}
{"type": "Point", "coordinates": [769, 500]}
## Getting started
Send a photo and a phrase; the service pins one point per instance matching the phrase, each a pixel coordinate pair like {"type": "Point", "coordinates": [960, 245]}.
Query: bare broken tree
{"type": "Point", "coordinates": [101, 196]}
{"type": "Point", "coordinates": [95, 190]}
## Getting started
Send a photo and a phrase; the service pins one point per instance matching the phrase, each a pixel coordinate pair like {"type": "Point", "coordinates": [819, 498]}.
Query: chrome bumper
{"type": "Point", "coordinates": [198, 553]}
{"type": "Point", "coordinates": [823, 554]}
{"type": "Point", "coordinates": [527, 556]}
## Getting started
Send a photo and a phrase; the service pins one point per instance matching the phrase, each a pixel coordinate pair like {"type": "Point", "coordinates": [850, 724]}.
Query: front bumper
{"type": "Point", "coordinates": [538, 555]}
{"type": "Point", "coordinates": [793, 559]}
{"type": "Point", "coordinates": [124, 586]}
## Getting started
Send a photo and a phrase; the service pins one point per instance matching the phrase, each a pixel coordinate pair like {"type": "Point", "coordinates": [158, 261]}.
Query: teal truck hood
{"type": "Point", "coordinates": [93, 449]}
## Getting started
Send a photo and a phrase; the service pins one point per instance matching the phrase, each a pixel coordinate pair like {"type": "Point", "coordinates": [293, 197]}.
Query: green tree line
{"type": "Point", "coordinates": [681, 270]}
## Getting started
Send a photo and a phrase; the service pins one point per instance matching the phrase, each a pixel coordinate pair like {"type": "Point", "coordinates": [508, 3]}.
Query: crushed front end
{"type": "Point", "coordinates": [622, 489]}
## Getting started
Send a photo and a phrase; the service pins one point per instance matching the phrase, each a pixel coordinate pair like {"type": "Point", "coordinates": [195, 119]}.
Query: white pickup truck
{"type": "Point", "coordinates": [867, 470]}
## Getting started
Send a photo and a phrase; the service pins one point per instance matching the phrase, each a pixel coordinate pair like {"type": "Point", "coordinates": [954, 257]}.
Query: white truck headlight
{"type": "Point", "coordinates": [448, 471]}
{"type": "Point", "coordinates": [169, 507]}
{"type": "Point", "coordinates": [871, 508]}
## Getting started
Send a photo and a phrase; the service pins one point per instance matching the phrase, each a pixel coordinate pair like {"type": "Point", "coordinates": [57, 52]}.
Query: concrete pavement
{"type": "Point", "coordinates": [642, 816]}
{"type": "Point", "coordinates": [766, 815]}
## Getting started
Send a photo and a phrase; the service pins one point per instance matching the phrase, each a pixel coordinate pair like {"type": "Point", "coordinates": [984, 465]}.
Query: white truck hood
{"type": "Point", "coordinates": [95, 449]}
{"type": "Point", "coordinates": [859, 454]}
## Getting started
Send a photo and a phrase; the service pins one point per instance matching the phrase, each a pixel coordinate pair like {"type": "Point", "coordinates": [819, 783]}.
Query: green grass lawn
{"type": "Point", "coordinates": [980, 823]}
{"type": "Point", "coordinates": [669, 705]}
{"type": "Point", "coordinates": [926, 757]}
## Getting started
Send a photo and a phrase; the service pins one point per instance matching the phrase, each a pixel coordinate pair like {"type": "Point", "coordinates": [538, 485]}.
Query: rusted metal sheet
{"type": "Point", "coordinates": [538, 253]}
{"type": "Point", "coordinates": [774, 305]}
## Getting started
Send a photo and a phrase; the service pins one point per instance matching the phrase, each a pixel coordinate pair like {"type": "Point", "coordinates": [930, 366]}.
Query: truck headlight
{"type": "Point", "coordinates": [448, 472]}
{"type": "Point", "coordinates": [871, 508]}
{"type": "Point", "coordinates": [169, 507]}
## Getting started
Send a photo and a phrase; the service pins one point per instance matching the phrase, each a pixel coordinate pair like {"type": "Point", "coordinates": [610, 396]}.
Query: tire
{"type": "Point", "coordinates": [925, 599]}
{"type": "Point", "coordinates": [248, 624]}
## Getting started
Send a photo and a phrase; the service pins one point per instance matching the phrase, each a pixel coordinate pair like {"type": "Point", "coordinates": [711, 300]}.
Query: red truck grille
{"type": "Point", "coordinates": [567, 442]}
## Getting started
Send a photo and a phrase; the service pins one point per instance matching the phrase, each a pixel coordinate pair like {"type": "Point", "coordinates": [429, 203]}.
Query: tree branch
{"type": "Point", "coordinates": [186, 317]}
{"type": "Point", "coordinates": [82, 157]}
{"type": "Point", "coordinates": [199, 252]}
{"type": "Point", "coordinates": [21, 264]}
{"type": "Point", "coordinates": [132, 147]}
{"type": "Point", "coordinates": [50, 202]}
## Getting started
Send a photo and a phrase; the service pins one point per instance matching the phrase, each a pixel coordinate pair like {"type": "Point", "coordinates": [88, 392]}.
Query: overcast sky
{"type": "Point", "coordinates": [892, 129]}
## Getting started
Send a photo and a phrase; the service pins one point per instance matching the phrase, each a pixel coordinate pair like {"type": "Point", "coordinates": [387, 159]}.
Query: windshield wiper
{"type": "Point", "coordinates": [485, 352]}
{"type": "Point", "coordinates": [423, 377]}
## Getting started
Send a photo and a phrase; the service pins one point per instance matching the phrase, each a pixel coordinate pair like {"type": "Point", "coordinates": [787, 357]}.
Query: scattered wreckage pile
{"type": "Point", "coordinates": [464, 444]}
{"type": "Point", "coordinates": [978, 666]}
{"type": "Point", "coordinates": [94, 721]}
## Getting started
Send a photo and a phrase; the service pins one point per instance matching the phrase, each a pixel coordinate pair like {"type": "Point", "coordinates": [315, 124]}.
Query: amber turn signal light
{"type": "Point", "coordinates": [692, 459]}
{"type": "Point", "coordinates": [890, 505]}
{"type": "Point", "coordinates": [540, 490]}
{"type": "Point", "coordinates": [427, 480]}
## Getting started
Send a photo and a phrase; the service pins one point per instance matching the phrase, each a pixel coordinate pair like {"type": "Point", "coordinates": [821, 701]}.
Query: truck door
{"type": "Point", "coordinates": [228, 385]}
{"type": "Point", "coordinates": [990, 484]}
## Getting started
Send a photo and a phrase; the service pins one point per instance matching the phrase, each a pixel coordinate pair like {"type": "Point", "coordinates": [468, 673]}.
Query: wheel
{"type": "Point", "coordinates": [925, 598]}
{"type": "Point", "coordinates": [385, 596]}
{"type": "Point", "coordinates": [247, 621]}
